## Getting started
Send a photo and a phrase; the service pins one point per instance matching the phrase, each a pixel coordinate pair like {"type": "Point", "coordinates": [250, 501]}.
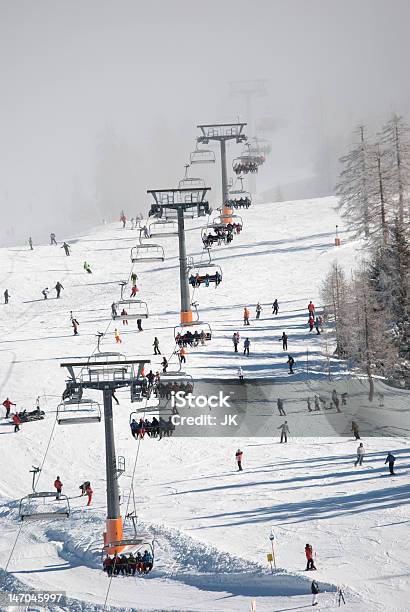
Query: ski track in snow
{"type": "Point", "coordinates": [211, 525]}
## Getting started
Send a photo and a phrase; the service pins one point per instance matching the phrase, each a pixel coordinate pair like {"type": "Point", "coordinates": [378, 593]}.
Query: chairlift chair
{"type": "Point", "coordinates": [202, 156]}
{"type": "Point", "coordinates": [135, 309]}
{"type": "Point", "coordinates": [84, 411]}
{"type": "Point", "coordinates": [163, 227]}
{"type": "Point", "coordinates": [205, 327]}
{"type": "Point", "coordinates": [221, 219]}
{"type": "Point", "coordinates": [50, 508]}
{"type": "Point", "coordinates": [200, 270]}
{"type": "Point", "coordinates": [147, 252]}
{"type": "Point", "coordinates": [189, 182]}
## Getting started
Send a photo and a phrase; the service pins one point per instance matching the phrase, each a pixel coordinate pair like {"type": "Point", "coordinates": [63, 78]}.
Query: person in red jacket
{"type": "Point", "coordinates": [238, 457]}
{"type": "Point", "coordinates": [89, 493]}
{"type": "Point", "coordinates": [58, 485]}
{"type": "Point", "coordinates": [311, 323]}
{"type": "Point", "coordinates": [8, 404]}
{"type": "Point", "coordinates": [309, 557]}
{"type": "Point", "coordinates": [311, 309]}
{"type": "Point", "coordinates": [17, 422]}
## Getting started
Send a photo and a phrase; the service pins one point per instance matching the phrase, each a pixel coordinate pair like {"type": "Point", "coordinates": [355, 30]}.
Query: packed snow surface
{"type": "Point", "coordinates": [211, 524]}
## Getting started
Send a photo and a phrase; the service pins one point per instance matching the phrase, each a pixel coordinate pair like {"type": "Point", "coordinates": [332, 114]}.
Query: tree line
{"type": "Point", "coordinates": [371, 309]}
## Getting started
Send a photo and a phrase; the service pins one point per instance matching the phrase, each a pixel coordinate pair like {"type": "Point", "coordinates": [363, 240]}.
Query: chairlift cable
{"type": "Point", "coordinates": [13, 547]}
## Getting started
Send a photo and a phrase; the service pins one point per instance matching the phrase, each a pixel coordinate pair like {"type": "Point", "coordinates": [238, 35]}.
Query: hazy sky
{"type": "Point", "coordinates": [78, 76]}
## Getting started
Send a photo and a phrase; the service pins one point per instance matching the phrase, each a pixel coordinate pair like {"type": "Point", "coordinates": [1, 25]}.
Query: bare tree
{"type": "Point", "coordinates": [395, 138]}
{"type": "Point", "coordinates": [353, 186]}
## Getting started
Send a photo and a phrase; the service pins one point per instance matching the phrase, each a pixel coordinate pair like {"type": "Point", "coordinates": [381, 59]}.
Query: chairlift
{"type": "Point", "coordinates": [221, 235]}
{"type": "Point", "coordinates": [44, 506]}
{"type": "Point", "coordinates": [192, 337]}
{"type": "Point", "coordinates": [73, 393]}
{"type": "Point", "coordinates": [132, 309]}
{"type": "Point", "coordinates": [202, 156]}
{"type": "Point", "coordinates": [239, 198]}
{"type": "Point", "coordinates": [222, 219]}
{"type": "Point", "coordinates": [189, 182]}
{"type": "Point", "coordinates": [204, 273]}
{"type": "Point", "coordinates": [147, 252]}
{"type": "Point", "coordinates": [84, 411]}
{"type": "Point", "coordinates": [163, 227]}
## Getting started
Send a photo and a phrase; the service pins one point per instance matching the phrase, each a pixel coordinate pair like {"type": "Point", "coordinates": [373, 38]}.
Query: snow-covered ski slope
{"type": "Point", "coordinates": [211, 523]}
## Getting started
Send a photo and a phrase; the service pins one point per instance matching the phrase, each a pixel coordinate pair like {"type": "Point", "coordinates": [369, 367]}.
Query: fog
{"type": "Point", "coordinates": [100, 99]}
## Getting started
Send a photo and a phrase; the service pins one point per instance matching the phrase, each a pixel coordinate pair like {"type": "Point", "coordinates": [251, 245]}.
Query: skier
{"type": "Point", "coordinates": [134, 290]}
{"type": "Point", "coordinates": [139, 325]}
{"type": "Point", "coordinates": [53, 238]}
{"type": "Point", "coordinates": [75, 325]}
{"type": "Point", "coordinates": [246, 346]}
{"type": "Point", "coordinates": [238, 457]}
{"type": "Point", "coordinates": [360, 455]}
{"type": "Point", "coordinates": [280, 405]}
{"type": "Point", "coordinates": [164, 364]}
{"type": "Point", "coordinates": [314, 587]}
{"type": "Point", "coordinates": [114, 310]}
{"type": "Point", "coordinates": [317, 325]}
{"type": "Point", "coordinates": [240, 374]}
{"type": "Point", "coordinates": [117, 336]}
{"type": "Point", "coordinates": [182, 355]}
{"type": "Point", "coordinates": [311, 309]}
{"type": "Point", "coordinates": [45, 292]}
{"type": "Point", "coordinates": [355, 430]}
{"type": "Point", "coordinates": [58, 288]}
{"type": "Point", "coordinates": [58, 485]}
{"type": "Point", "coordinates": [66, 248]}
{"type": "Point", "coordinates": [291, 363]}
{"type": "Point", "coordinates": [258, 310]}
{"type": "Point", "coordinates": [275, 307]}
{"type": "Point", "coordinates": [335, 400]}
{"type": "Point", "coordinates": [6, 296]}
{"type": "Point", "coordinates": [284, 339]}
{"type": "Point", "coordinates": [311, 324]}
{"type": "Point", "coordinates": [30, 243]}
{"type": "Point", "coordinates": [8, 404]}
{"type": "Point", "coordinates": [309, 405]}
{"type": "Point", "coordinates": [17, 422]}
{"type": "Point", "coordinates": [123, 218]}
{"type": "Point", "coordinates": [89, 493]}
{"type": "Point", "coordinates": [317, 404]}
{"type": "Point", "coordinates": [284, 432]}
{"type": "Point", "coordinates": [146, 232]}
{"type": "Point", "coordinates": [124, 313]}
{"type": "Point", "coordinates": [309, 557]}
{"type": "Point", "coordinates": [235, 340]}
{"type": "Point", "coordinates": [87, 268]}
{"type": "Point", "coordinates": [134, 279]}
{"type": "Point", "coordinates": [156, 346]}
{"type": "Point", "coordinates": [246, 314]}
{"type": "Point", "coordinates": [390, 459]}
{"type": "Point", "coordinates": [83, 487]}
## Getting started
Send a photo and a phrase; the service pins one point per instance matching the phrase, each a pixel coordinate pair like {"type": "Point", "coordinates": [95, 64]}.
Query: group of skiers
{"type": "Point", "coordinates": [128, 565]}
{"type": "Point", "coordinates": [85, 489]}
{"type": "Point", "coordinates": [156, 428]}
